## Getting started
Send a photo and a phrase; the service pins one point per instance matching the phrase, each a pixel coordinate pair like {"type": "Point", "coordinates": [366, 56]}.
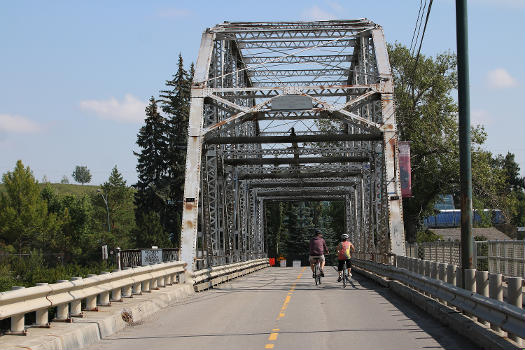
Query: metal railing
{"type": "Point", "coordinates": [483, 297]}
{"type": "Point", "coordinates": [505, 257]}
{"type": "Point", "coordinates": [133, 257]}
{"type": "Point", "coordinates": [206, 278]}
{"type": "Point", "coordinates": [69, 296]}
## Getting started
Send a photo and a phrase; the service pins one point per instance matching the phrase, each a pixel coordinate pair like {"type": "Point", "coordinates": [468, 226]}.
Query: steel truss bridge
{"type": "Point", "coordinates": [290, 111]}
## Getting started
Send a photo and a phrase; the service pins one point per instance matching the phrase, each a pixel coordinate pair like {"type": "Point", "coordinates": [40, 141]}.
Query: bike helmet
{"type": "Point", "coordinates": [344, 236]}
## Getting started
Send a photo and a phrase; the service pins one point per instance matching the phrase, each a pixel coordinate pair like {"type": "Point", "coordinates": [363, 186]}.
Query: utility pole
{"type": "Point", "coordinates": [465, 167]}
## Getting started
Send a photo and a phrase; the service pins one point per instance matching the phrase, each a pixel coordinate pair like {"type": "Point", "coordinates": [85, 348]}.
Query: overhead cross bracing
{"type": "Point", "coordinates": [290, 111]}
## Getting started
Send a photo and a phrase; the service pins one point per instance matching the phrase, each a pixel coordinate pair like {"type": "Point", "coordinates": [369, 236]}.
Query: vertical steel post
{"type": "Point", "coordinates": [465, 169]}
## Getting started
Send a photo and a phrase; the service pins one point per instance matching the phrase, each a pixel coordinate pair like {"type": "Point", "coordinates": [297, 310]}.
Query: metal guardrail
{"type": "Point", "coordinates": [68, 296]}
{"type": "Point", "coordinates": [207, 278]}
{"type": "Point", "coordinates": [499, 314]}
{"type": "Point", "coordinates": [505, 257]}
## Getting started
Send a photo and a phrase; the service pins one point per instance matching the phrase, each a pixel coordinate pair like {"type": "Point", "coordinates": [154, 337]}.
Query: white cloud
{"type": "Point", "coordinates": [173, 13]}
{"type": "Point", "coordinates": [499, 78]}
{"type": "Point", "coordinates": [315, 13]}
{"type": "Point", "coordinates": [129, 110]}
{"type": "Point", "coordinates": [480, 117]}
{"type": "Point", "coordinates": [18, 124]}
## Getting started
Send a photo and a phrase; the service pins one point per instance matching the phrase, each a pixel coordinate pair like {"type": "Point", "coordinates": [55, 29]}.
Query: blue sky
{"type": "Point", "coordinates": [75, 76]}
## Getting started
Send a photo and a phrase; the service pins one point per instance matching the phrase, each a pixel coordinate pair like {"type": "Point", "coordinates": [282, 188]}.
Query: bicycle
{"type": "Point", "coordinates": [317, 271]}
{"type": "Point", "coordinates": [346, 278]}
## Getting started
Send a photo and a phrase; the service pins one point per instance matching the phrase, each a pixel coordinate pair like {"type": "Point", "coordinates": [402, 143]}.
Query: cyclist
{"type": "Point", "coordinates": [317, 250]}
{"type": "Point", "coordinates": [344, 253]}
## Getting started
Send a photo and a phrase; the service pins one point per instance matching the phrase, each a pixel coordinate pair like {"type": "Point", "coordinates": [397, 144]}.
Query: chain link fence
{"type": "Point", "coordinates": [505, 257]}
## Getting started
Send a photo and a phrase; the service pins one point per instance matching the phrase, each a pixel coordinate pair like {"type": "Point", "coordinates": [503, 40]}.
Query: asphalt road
{"type": "Point", "coordinates": [281, 308]}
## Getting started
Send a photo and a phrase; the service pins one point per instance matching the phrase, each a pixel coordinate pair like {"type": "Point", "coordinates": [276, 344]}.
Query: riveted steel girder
{"type": "Point", "coordinates": [243, 151]}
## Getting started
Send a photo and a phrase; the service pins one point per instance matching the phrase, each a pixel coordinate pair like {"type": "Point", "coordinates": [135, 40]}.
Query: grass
{"type": "Point", "coordinates": [65, 188]}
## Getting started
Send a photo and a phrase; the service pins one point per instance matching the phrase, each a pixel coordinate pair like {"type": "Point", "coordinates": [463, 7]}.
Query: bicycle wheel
{"type": "Point", "coordinates": [345, 275]}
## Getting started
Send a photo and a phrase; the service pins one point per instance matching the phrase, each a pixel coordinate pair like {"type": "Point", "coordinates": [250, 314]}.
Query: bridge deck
{"type": "Point", "coordinates": [282, 307]}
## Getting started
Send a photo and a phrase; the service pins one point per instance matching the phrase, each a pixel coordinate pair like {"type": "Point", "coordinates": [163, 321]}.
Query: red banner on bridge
{"type": "Point", "coordinates": [405, 169]}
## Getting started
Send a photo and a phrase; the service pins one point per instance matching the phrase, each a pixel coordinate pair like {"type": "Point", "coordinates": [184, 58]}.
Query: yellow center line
{"type": "Point", "coordinates": [275, 331]}
{"type": "Point", "coordinates": [273, 336]}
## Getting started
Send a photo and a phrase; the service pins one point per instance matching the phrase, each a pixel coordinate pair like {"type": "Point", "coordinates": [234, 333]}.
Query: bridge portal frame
{"type": "Point", "coordinates": [227, 103]}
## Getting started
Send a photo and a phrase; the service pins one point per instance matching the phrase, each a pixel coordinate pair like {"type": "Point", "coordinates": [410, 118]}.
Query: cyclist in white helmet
{"type": "Point", "coordinates": [344, 253]}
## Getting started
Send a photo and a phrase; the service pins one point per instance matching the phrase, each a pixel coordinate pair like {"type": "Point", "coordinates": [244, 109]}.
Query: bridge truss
{"type": "Point", "coordinates": [290, 111]}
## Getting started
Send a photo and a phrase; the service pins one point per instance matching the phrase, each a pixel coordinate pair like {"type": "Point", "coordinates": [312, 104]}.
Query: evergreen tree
{"type": "Point", "coordinates": [176, 105]}
{"type": "Point", "coordinates": [119, 199]}
{"type": "Point", "coordinates": [152, 167]}
{"type": "Point", "coordinates": [24, 219]}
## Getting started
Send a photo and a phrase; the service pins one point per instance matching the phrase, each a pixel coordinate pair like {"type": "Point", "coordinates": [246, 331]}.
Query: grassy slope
{"type": "Point", "coordinates": [66, 188]}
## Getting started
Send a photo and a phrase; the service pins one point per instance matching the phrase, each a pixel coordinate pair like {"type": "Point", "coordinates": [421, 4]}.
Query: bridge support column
{"type": "Point", "coordinates": [190, 211]}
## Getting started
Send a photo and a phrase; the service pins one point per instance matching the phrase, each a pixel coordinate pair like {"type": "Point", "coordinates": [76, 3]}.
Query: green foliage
{"type": "Point", "coordinates": [162, 157]}
{"type": "Point", "coordinates": [290, 226]}
{"type": "Point", "coordinates": [119, 199]}
{"type": "Point", "coordinates": [149, 231]}
{"type": "Point", "coordinates": [33, 268]}
{"type": "Point", "coordinates": [24, 219]}
{"type": "Point", "coordinates": [81, 174]}
{"type": "Point", "coordinates": [427, 236]}
{"type": "Point", "coordinates": [427, 116]}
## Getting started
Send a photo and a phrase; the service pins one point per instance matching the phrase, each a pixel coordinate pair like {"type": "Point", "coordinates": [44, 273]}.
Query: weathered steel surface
{"type": "Point", "coordinates": [290, 111]}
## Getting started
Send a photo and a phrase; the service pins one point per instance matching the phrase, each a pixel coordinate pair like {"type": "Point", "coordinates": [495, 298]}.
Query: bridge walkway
{"type": "Point", "coordinates": [281, 308]}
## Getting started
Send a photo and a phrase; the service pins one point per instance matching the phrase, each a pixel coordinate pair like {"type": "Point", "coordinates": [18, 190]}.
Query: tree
{"type": "Point", "coordinates": [149, 231]}
{"type": "Point", "coordinates": [176, 105]}
{"type": "Point", "coordinates": [152, 167]}
{"type": "Point", "coordinates": [427, 116]}
{"type": "Point", "coordinates": [24, 218]}
{"type": "Point", "coordinates": [119, 199]}
{"type": "Point", "coordinates": [81, 174]}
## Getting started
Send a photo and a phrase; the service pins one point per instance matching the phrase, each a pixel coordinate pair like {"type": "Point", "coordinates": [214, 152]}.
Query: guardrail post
{"type": "Point", "coordinates": [103, 299]}
{"type": "Point", "coordinates": [441, 271]}
{"type": "Point", "coordinates": [153, 284]}
{"type": "Point", "coordinates": [421, 267]}
{"type": "Point", "coordinates": [161, 282]}
{"type": "Point", "coordinates": [451, 274]}
{"type": "Point", "coordinates": [17, 321]}
{"type": "Point", "coordinates": [427, 268]}
{"type": "Point", "coordinates": [76, 305]}
{"type": "Point", "coordinates": [496, 292]}
{"type": "Point", "coordinates": [470, 283]}
{"type": "Point", "coordinates": [433, 270]}
{"type": "Point", "coordinates": [146, 286]}
{"type": "Point", "coordinates": [91, 301]}
{"type": "Point", "coordinates": [62, 313]}
{"type": "Point", "coordinates": [42, 315]}
{"type": "Point", "coordinates": [482, 287]}
{"type": "Point", "coordinates": [451, 277]}
{"type": "Point", "coordinates": [514, 290]}
{"type": "Point", "coordinates": [116, 294]}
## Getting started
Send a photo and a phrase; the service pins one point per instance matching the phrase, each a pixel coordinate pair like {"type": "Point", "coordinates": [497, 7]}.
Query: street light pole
{"type": "Point", "coordinates": [105, 198]}
{"type": "Point", "coordinates": [465, 166]}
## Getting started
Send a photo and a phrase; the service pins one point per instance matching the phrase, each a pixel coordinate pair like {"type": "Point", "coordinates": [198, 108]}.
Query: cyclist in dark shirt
{"type": "Point", "coordinates": [317, 250]}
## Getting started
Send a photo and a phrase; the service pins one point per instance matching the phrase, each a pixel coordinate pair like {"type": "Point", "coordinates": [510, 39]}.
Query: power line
{"type": "Point", "coordinates": [418, 24]}
{"type": "Point", "coordinates": [423, 35]}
